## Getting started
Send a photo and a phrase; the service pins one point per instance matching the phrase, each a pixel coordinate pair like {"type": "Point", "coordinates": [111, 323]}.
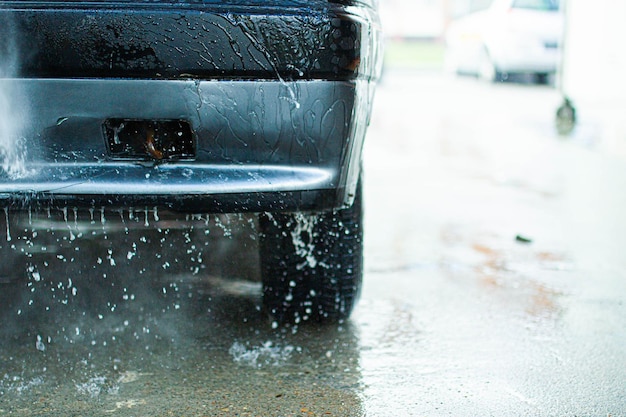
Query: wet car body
{"type": "Point", "coordinates": [270, 93]}
{"type": "Point", "coordinates": [196, 106]}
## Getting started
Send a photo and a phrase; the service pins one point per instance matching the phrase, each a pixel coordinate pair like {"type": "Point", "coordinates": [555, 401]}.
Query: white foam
{"type": "Point", "coordinates": [258, 356]}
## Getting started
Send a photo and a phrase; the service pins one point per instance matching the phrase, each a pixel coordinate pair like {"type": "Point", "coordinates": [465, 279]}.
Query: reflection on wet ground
{"type": "Point", "coordinates": [495, 284]}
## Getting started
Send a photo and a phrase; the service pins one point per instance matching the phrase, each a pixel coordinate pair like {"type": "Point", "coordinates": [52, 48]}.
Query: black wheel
{"type": "Point", "coordinates": [565, 117]}
{"type": "Point", "coordinates": [488, 71]}
{"type": "Point", "coordinates": [312, 264]}
{"type": "Point", "coordinates": [542, 78]}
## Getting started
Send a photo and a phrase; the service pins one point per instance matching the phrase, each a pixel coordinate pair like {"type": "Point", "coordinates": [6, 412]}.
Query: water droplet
{"type": "Point", "coordinates": [6, 215]}
{"type": "Point", "coordinates": [40, 345]}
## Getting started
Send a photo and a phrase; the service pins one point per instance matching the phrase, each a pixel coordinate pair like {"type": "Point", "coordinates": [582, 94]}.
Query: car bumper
{"type": "Point", "coordinates": [526, 56]}
{"type": "Point", "coordinates": [295, 144]}
{"type": "Point", "coordinates": [276, 95]}
{"type": "Point", "coordinates": [532, 63]}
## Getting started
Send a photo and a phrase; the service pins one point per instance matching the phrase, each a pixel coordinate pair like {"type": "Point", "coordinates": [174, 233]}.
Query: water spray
{"type": "Point", "coordinates": [12, 147]}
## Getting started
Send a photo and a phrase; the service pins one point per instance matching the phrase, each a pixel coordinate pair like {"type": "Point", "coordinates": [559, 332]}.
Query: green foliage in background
{"type": "Point", "coordinates": [418, 54]}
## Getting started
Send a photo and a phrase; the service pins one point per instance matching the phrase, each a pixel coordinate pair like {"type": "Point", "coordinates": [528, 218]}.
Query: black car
{"type": "Point", "coordinates": [212, 106]}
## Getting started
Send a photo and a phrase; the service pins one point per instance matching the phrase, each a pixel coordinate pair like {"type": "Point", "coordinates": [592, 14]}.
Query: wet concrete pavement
{"type": "Point", "coordinates": [495, 285]}
{"type": "Point", "coordinates": [480, 322]}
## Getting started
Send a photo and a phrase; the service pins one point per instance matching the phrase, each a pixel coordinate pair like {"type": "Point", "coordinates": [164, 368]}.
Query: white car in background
{"type": "Point", "coordinates": [509, 37]}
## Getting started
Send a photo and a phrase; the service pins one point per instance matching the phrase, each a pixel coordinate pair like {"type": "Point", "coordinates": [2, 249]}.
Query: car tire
{"type": "Point", "coordinates": [565, 118]}
{"type": "Point", "coordinates": [488, 71]}
{"type": "Point", "coordinates": [542, 78]}
{"type": "Point", "coordinates": [312, 264]}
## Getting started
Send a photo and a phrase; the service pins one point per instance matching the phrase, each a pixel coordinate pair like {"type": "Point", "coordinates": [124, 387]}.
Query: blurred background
{"type": "Point", "coordinates": [570, 45]}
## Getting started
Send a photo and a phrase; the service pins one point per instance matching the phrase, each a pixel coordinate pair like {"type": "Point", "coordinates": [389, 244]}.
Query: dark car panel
{"type": "Point", "coordinates": [273, 97]}
{"type": "Point", "coordinates": [188, 40]}
{"type": "Point", "coordinates": [249, 137]}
